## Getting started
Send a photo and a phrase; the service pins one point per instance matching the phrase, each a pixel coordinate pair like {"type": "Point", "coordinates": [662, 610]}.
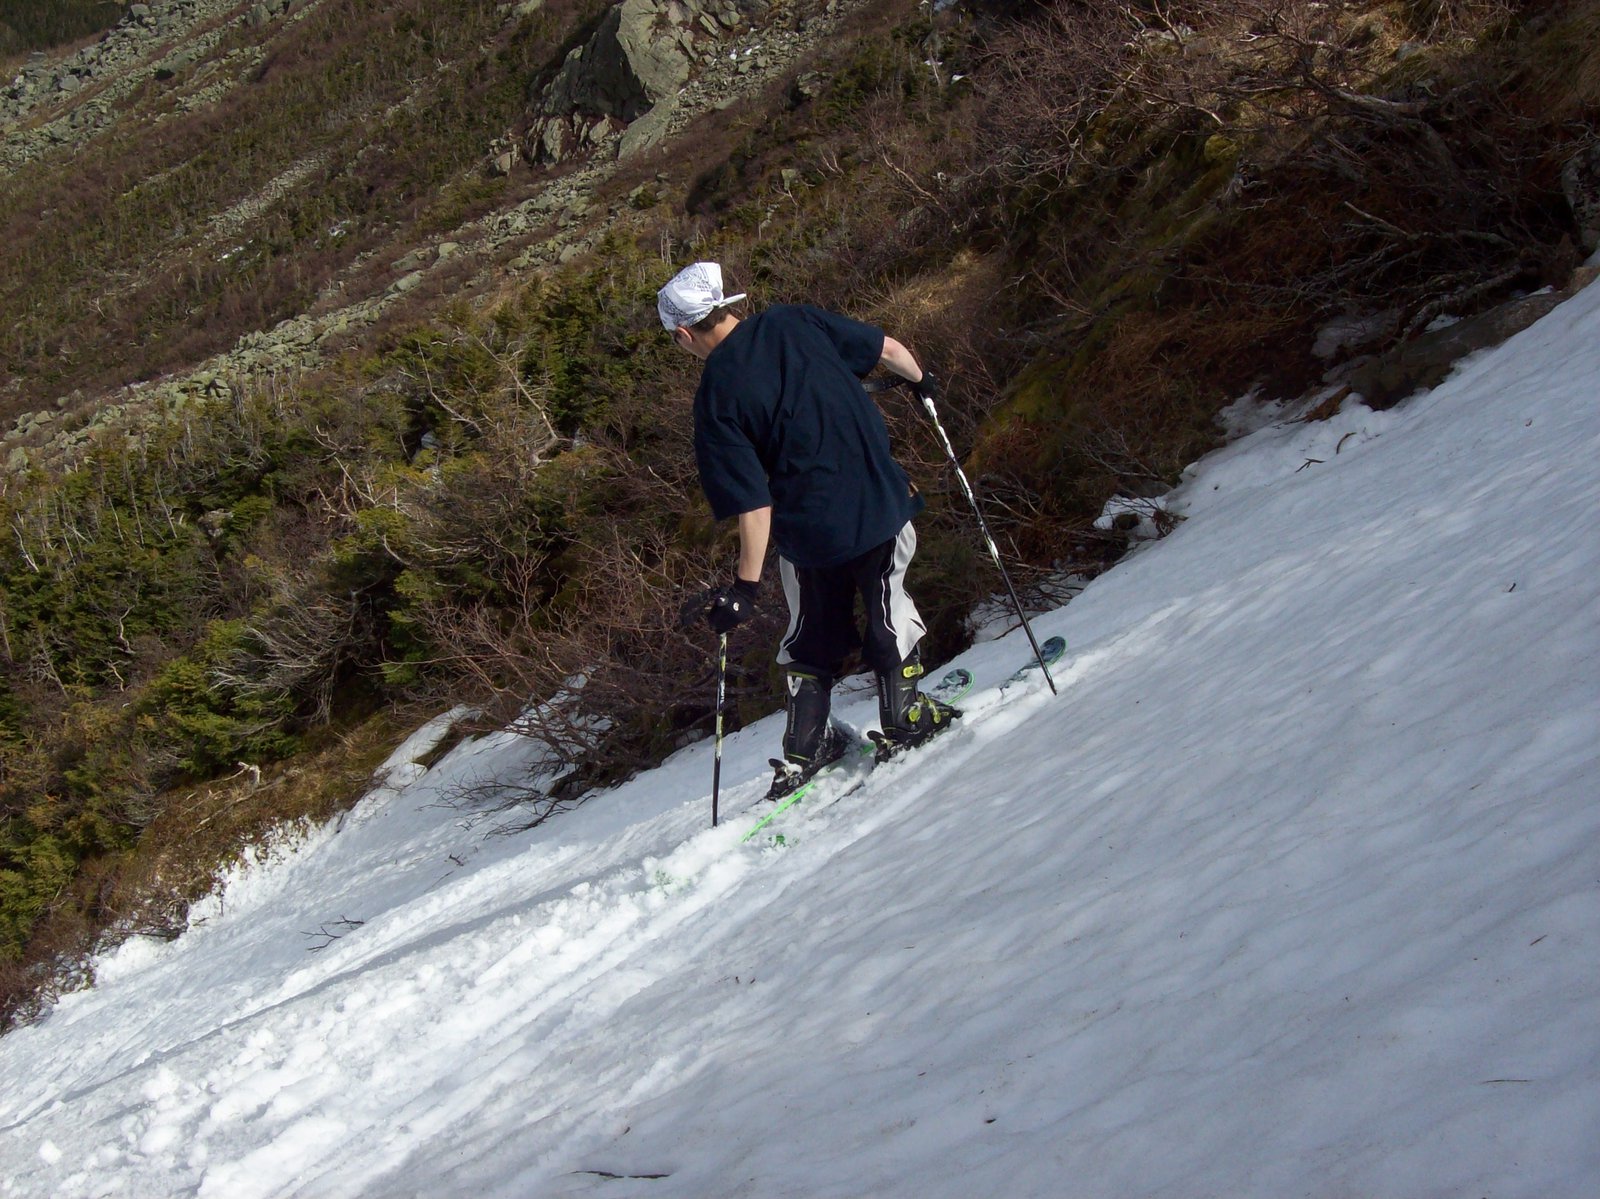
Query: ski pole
{"type": "Point", "coordinates": [722, 690]}
{"type": "Point", "coordinates": [983, 527]}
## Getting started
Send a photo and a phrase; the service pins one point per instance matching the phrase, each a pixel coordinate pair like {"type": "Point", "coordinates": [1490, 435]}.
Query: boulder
{"type": "Point", "coordinates": [1384, 380]}
{"type": "Point", "coordinates": [552, 140]}
{"type": "Point", "coordinates": [176, 64]}
{"type": "Point", "coordinates": [1580, 184]}
{"type": "Point", "coordinates": [808, 86]}
{"type": "Point", "coordinates": [648, 130]}
{"type": "Point", "coordinates": [635, 58]}
{"type": "Point", "coordinates": [412, 261]}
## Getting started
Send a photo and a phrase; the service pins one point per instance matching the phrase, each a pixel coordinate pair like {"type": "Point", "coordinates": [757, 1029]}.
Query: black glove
{"type": "Point", "coordinates": [732, 606]}
{"type": "Point", "coordinates": [927, 388]}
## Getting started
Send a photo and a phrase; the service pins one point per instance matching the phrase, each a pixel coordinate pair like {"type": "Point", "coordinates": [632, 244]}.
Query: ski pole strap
{"type": "Point", "coordinates": [873, 386]}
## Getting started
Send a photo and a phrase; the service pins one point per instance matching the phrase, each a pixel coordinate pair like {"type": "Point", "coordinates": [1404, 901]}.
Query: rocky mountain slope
{"type": "Point", "coordinates": [636, 78]}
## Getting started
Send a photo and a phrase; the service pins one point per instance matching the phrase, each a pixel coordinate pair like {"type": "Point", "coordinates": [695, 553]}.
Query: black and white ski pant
{"type": "Point", "coordinates": [822, 620]}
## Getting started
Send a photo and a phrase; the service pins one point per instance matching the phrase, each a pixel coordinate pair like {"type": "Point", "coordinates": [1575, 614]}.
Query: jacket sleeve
{"type": "Point", "coordinates": [860, 345]}
{"type": "Point", "coordinates": [731, 474]}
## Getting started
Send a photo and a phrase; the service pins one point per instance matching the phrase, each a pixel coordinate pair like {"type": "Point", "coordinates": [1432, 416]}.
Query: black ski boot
{"type": "Point", "coordinates": [810, 739]}
{"type": "Point", "coordinates": [907, 715]}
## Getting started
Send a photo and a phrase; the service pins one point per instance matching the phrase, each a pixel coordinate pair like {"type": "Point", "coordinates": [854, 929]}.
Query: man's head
{"type": "Point", "coordinates": [694, 309]}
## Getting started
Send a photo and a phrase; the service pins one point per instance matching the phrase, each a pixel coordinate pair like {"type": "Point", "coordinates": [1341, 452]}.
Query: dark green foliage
{"type": "Point", "coordinates": [213, 723]}
{"type": "Point", "coordinates": [595, 343]}
{"type": "Point", "coordinates": [877, 70]}
{"type": "Point", "coordinates": [34, 868]}
{"type": "Point", "coordinates": [213, 592]}
{"type": "Point", "coordinates": [159, 621]}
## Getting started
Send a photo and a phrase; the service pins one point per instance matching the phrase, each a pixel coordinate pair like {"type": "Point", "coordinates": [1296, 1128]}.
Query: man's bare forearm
{"type": "Point", "coordinates": [900, 360]}
{"type": "Point", "coordinates": [755, 529]}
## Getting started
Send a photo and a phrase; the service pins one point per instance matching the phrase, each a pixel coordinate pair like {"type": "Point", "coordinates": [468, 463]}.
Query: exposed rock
{"type": "Point", "coordinates": [166, 40]}
{"type": "Point", "coordinates": [176, 64]}
{"type": "Point", "coordinates": [806, 87]}
{"type": "Point", "coordinates": [215, 522]}
{"type": "Point", "coordinates": [1580, 183]}
{"type": "Point", "coordinates": [648, 130]}
{"type": "Point", "coordinates": [677, 58]}
{"type": "Point", "coordinates": [658, 57]}
{"type": "Point", "coordinates": [551, 140]}
{"type": "Point", "coordinates": [1386, 379]}
{"type": "Point", "coordinates": [599, 76]}
{"type": "Point", "coordinates": [1354, 330]}
{"type": "Point", "coordinates": [641, 53]}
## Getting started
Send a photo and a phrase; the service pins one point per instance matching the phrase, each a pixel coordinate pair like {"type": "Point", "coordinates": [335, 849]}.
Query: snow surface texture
{"type": "Point", "coordinates": [1294, 890]}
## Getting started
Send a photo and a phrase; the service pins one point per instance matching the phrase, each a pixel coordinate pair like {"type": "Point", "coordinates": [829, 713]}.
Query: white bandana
{"type": "Point", "coordinates": [691, 294]}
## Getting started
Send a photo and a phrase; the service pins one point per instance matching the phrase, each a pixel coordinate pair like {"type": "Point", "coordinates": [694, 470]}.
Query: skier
{"type": "Point", "coordinates": [788, 442]}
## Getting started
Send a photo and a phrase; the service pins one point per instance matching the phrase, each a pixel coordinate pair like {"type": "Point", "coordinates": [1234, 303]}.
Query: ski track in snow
{"type": "Point", "coordinates": [1292, 890]}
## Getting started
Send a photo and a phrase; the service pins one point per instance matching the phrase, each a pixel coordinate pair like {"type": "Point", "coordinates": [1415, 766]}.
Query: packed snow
{"type": "Point", "coordinates": [1294, 889]}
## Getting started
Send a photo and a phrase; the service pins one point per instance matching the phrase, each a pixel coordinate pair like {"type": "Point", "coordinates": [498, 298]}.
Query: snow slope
{"type": "Point", "coordinates": [1294, 890]}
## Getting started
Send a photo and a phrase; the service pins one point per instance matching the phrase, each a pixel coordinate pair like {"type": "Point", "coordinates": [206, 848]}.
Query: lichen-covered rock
{"type": "Point", "coordinates": [634, 59]}
{"type": "Point", "coordinates": [657, 43]}
{"type": "Point", "coordinates": [641, 53]}
{"type": "Point", "coordinates": [1384, 380]}
{"type": "Point", "coordinates": [648, 130]}
{"type": "Point", "coordinates": [1580, 183]}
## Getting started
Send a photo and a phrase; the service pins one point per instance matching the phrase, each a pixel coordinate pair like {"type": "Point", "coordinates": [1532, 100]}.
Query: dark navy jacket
{"type": "Point", "coordinates": [781, 418]}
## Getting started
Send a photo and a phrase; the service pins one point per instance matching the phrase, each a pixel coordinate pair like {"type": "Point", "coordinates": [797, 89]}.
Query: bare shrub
{"type": "Point", "coordinates": [1047, 79]}
{"type": "Point", "coordinates": [296, 648]}
{"type": "Point", "coordinates": [1351, 172]}
{"type": "Point", "coordinates": [589, 660]}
